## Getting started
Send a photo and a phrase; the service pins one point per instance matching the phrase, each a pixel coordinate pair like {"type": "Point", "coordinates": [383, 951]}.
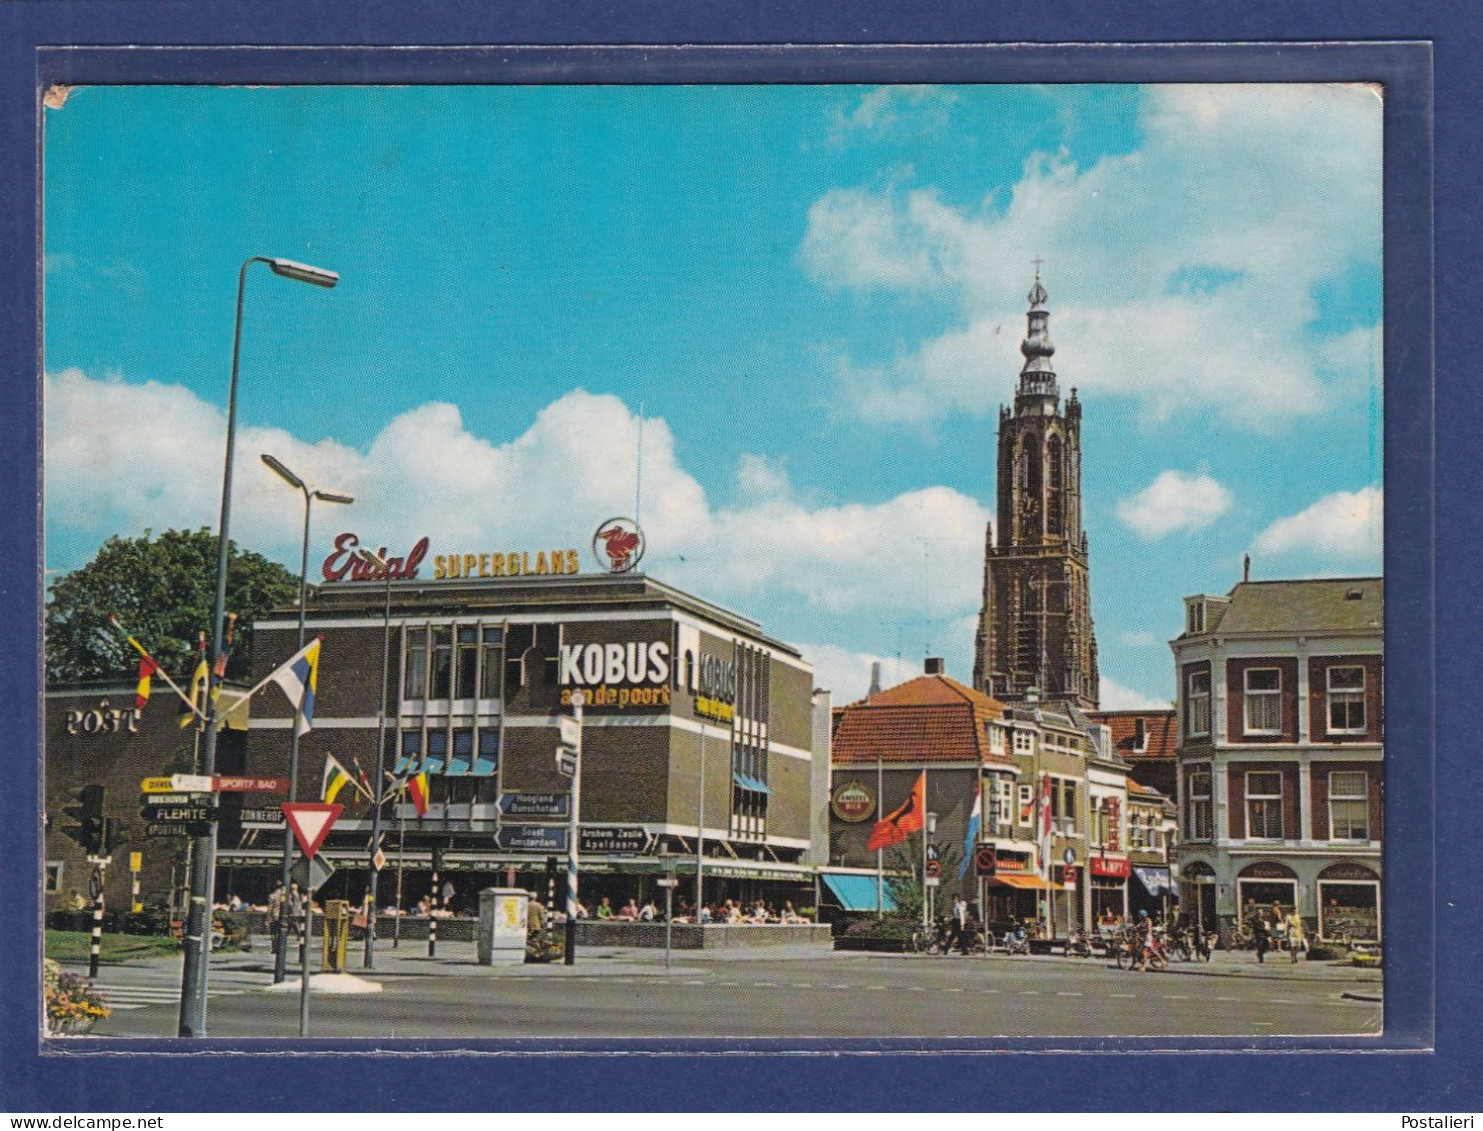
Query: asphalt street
{"type": "Point", "coordinates": [625, 995]}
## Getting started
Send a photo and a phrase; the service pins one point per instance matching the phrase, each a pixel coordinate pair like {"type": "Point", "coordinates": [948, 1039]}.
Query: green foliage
{"type": "Point", "coordinates": [161, 589]}
{"type": "Point", "coordinates": [904, 875]}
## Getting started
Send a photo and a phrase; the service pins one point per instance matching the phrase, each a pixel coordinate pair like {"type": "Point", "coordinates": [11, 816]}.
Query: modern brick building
{"type": "Point", "coordinates": [1281, 752]}
{"type": "Point", "coordinates": [679, 691]}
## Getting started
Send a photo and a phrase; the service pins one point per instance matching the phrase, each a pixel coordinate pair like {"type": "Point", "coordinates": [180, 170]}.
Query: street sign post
{"type": "Point", "coordinates": [616, 840]}
{"type": "Point", "coordinates": [191, 783]}
{"type": "Point", "coordinates": [534, 804]}
{"type": "Point", "coordinates": [311, 873]}
{"type": "Point", "coordinates": [531, 838]}
{"type": "Point", "coordinates": [157, 785]}
{"type": "Point", "coordinates": [984, 860]}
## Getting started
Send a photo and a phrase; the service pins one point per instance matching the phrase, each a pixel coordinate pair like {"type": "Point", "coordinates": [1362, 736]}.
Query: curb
{"type": "Point", "coordinates": [1361, 997]}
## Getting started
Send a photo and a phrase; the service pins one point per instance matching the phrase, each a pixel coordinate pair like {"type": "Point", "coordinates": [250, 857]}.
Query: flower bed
{"type": "Point", "coordinates": [73, 1006]}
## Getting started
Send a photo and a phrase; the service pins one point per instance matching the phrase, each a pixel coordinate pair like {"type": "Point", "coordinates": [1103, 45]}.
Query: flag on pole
{"type": "Point", "coordinates": [147, 668]}
{"type": "Point", "coordinates": [298, 676]}
{"type": "Point", "coordinates": [360, 777]}
{"type": "Point", "coordinates": [1045, 821]}
{"type": "Point", "coordinates": [195, 707]}
{"type": "Point", "coordinates": [905, 820]}
{"type": "Point", "coordinates": [336, 777]}
{"type": "Point", "coordinates": [975, 823]}
{"type": "Point", "coordinates": [417, 787]}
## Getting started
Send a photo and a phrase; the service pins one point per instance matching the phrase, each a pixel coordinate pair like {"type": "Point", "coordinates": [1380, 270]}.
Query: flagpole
{"type": "Point", "coordinates": [880, 855]}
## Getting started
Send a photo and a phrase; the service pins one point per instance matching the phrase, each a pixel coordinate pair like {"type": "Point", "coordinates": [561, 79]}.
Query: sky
{"type": "Point", "coordinates": [776, 322]}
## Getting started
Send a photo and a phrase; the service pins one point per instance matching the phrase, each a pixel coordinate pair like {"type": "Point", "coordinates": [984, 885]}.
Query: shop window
{"type": "Point", "coordinates": [1263, 701]}
{"type": "Point", "coordinates": [1264, 806]}
{"type": "Point", "coordinates": [440, 677]}
{"type": "Point", "coordinates": [414, 674]}
{"type": "Point", "coordinates": [53, 877]}
{"type": "Point", "coordinates": [1349, 805]}
{"type": "Point", "coordinates": [1346, 688]}
{"type": "Point", "coordinates": [1198, 799]}
{"type": "Point", "coordinates": [1197, 705]}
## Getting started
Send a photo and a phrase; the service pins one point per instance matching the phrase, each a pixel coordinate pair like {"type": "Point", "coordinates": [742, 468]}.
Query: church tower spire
{"type": "Point", "coordinates": [1035, 628]}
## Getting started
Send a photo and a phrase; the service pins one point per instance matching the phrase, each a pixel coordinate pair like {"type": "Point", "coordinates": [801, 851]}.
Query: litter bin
{"type": "Point", "coordinates": [336, 934]}
{"type": "Point", "coordinates": [502, 913]}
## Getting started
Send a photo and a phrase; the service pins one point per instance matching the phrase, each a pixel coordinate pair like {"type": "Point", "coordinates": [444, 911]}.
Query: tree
{"type": "Point", "coordinates": [162, 590]}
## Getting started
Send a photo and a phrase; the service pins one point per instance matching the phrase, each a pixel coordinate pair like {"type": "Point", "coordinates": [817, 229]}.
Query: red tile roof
{"type": "Point", "coordinates": [1162, 734]}
{"type": "Point", "coordinates": [932, 718]}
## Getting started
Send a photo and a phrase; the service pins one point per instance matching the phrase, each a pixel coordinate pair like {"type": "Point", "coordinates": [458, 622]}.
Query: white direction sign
{"type": "Point", "coordinates": [192, 783]}
{"type": "Point", "coordinates": [571, 730]}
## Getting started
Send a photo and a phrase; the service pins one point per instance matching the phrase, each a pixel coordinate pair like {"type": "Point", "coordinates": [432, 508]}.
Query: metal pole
{"type": "Point", "coordinates": [880, 856]}
{"type": "Point", "coordinates": [401, 852]}
{"type": "Point", "coordinates": [280, 961]}
{"type": "Point", "coordinates": [192, 1022]}
{"type": "Point", "coordinates": [306, 931]}
{"type": "Point", "coordinates": [432, 911]}
{"type": "Point", "coordinates": [380, 797]}
{"type": "Point", "coordinates": [97, 941]}
{"type": "Point", "coordinates": [669, 915]}
{"type": "Point", "coordinates": [573, 863]}
{"type": "Point", "coordinates": [700, 836]}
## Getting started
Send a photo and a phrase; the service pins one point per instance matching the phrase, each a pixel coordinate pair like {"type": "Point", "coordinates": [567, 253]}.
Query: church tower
{"type": "Point", "coordinates": [1035, 628]}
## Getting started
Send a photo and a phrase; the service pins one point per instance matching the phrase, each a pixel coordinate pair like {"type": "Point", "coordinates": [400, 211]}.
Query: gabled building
{"type": "Point", "coordinates": [1148, 741]}
{"type": "Point", "coordinates": [1281, 753]}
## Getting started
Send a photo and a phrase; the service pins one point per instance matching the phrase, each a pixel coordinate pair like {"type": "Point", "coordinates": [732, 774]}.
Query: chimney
{"type": "Point", "coordinates": [1245, 567]}
{"type": "Point", "coordinates": [934, 665]}
{"type": "Point", "coordinates": [875, 679]}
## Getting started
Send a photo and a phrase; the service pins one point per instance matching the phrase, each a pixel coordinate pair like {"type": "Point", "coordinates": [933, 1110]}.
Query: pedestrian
{"type": "Point", "coordinates": [448, 893]}
{"type": "Point", "coordinates": [958, 924]}
{"type": "Point", "coordinates": [1261, 931]}
{"type": "Point", "coordinates": [1295, 940]}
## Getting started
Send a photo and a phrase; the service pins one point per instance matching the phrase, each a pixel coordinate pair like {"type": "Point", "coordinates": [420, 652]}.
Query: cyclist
{"type": "Point", "coordinates": [1144, 931]}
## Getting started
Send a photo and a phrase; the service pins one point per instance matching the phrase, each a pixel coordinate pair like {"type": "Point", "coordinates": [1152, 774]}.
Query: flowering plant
{"type": "Point", "coordinates": [72, 1004]}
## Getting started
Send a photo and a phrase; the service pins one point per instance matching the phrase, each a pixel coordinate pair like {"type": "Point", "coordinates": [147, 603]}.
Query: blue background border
{"type": "Point", "coordinates": [1429, 914]}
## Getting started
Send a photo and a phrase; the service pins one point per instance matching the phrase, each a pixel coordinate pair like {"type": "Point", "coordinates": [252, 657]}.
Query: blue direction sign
{"type": "Point", "coordinates": [531, 838]}
{"type": "Point", "coordinates": [534, 804]}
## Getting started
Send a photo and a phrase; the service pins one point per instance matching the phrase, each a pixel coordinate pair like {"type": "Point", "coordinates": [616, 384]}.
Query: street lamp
{"type": "Point", "coordinates": [203, 868]}
{"type": "Point", "coordinates": [280, 961]}
{"type": "Point", "coordinates": [371, 558]}
{"type": "Point", "coordinates": [929, 830]}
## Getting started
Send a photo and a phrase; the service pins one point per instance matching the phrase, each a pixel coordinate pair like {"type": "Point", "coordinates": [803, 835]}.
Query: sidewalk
{"type": "Point", "coordinates": [1227, 964]}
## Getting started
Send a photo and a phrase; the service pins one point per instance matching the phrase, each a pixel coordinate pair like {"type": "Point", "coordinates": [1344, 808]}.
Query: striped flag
{"type": "Point", "coordinates": [147, 668]}
{"type": "Point", "coordinates": [336, 777]}
{"type": "Point", "coordinates": [975, 823]}
{"type": "Point", "coordinates": [298, 677]}
{"type": "Point", "coordinates": [417, 787]}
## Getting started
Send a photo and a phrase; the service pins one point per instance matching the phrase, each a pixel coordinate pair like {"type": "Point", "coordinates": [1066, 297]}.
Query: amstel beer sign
{"type": "Point", "coordinates": [853, 802]}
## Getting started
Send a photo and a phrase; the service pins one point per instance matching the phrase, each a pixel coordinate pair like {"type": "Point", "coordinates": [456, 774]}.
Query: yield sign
{"type": "Point", "coordinates": [311, 822]}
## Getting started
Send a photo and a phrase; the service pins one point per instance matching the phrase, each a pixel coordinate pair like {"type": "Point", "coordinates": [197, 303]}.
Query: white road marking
{"type": "Point", "coordinates": [1066, 993]}
{"type": "Point", "coordinates": [1227, 999]}
{"type": "Point", "coordinates": [1122, 995]}
{"type": "Point", "coordinates": [1176, 997]}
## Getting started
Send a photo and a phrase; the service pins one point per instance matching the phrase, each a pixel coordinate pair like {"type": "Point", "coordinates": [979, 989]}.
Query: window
{"type": "Point", "coordinates": [53, 877]}
{"type": "Point", "coordinates": [1027, 803]}
{"type": "Point", "coordinates": [1349, 805]}
{"type": "Point", "coordinates": [1024, 742]}
{"type": "Point", "coordinates": [1196, 620]}
{"type": "Point", "coordinates": [1263, 701]}
{"type": "Point", "coordinates": [440, 677]}
{"type": "Point", "coordinates": [414, 678]}
{"type": "Point", "coordinates": [466, 662]}
{"type": "Point", "coordinates": [1065, 799]}
{"type": "Point", "coordinates": [996, 740]}
{"type": "Point", "coordinates": [1198, 801]}
{"type": "Point", "coordinates": [1346, 700]}
{"type": "Point", "coordinates": [1135, 831]}
{"type": "Point", "coordinates": [1006, 803]}
{"type": "Point", "coordinates": [1264, 806]}
{"type": "Point", "coordinates": [1197, 704]}
{"type": "Point", "coordinates": [494, 656]}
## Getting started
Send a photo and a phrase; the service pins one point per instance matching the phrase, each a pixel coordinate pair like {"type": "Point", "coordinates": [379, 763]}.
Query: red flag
{"type": "Point", "coordinates": [907, 819]}
{"type": "Point", "coordinates": [147, 668]}
{"type": "Point", "coordinates": [417, 787]}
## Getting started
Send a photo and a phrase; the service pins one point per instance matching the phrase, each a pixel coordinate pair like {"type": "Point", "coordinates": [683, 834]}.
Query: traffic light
{"type": "Point", "coordinates": [87, 811]}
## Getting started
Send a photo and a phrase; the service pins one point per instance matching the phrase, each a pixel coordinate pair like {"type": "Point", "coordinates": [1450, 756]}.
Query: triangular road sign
{"type": "Point", "coordinates": [311, 822]}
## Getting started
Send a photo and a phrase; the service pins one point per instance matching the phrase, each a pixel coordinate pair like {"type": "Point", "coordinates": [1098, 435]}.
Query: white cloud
{"type": "Point", "coordinates": [1174, 501]}
{"type": "Point", "coordinates": [894, 110]}
{"type": "Point", "coordinates": [1346, 524]}
{"type": "Point", "coordinates": [158, 450]}
{"type": "Point", "coordinates": [1181, 274]}
{"type": "Point", "coordinates": [1115, 697]}
{"type": "Point", "coordinates": [846, 673]}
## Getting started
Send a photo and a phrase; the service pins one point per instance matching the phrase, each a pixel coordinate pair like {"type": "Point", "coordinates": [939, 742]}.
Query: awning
{"type": "Point", "coordinates": [1028, 882]}
{"type": "Point", "coordinates": [1154, 880]}
{"type": "Point", "coordinates": [856, 893]}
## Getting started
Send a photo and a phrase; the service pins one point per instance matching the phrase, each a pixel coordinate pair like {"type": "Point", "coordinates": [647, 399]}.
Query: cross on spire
{"type": "Point", "coordinates": [1037, 261]}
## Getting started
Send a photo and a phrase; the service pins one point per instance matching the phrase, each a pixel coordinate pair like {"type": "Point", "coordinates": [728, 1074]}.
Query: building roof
{"type": "Point", "coordinates": [1147, 791]}
{"type": "Point", "coordinates": [932, 718]}
{"type": "Point", "coordinates": [1161, 734]}
{"type": "Point", "coordinates": [1341, 604]}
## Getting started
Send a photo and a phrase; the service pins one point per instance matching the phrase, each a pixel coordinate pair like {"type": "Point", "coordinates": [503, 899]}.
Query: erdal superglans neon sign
{"type": "Point", "coordinates": [344, 564]}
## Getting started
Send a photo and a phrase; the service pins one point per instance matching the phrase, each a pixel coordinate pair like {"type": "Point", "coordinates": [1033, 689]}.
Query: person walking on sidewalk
{"type": "Point", "coordinates": [1261, 931]}
{"type": "Point", "coordinates": [1295, 940]}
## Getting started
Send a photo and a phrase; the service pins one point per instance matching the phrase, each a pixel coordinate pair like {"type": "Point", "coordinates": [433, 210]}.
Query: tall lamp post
{"type": "Point", "coordinates": [371, 558]}
{"type": "Point", "coordinates": [203, 849]}
{"type": "Point", "coordinates": [280, 961]}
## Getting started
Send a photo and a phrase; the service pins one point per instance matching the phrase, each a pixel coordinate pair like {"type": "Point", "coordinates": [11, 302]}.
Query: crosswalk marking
{"type": "Point", "coordinates": [141, 997]}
